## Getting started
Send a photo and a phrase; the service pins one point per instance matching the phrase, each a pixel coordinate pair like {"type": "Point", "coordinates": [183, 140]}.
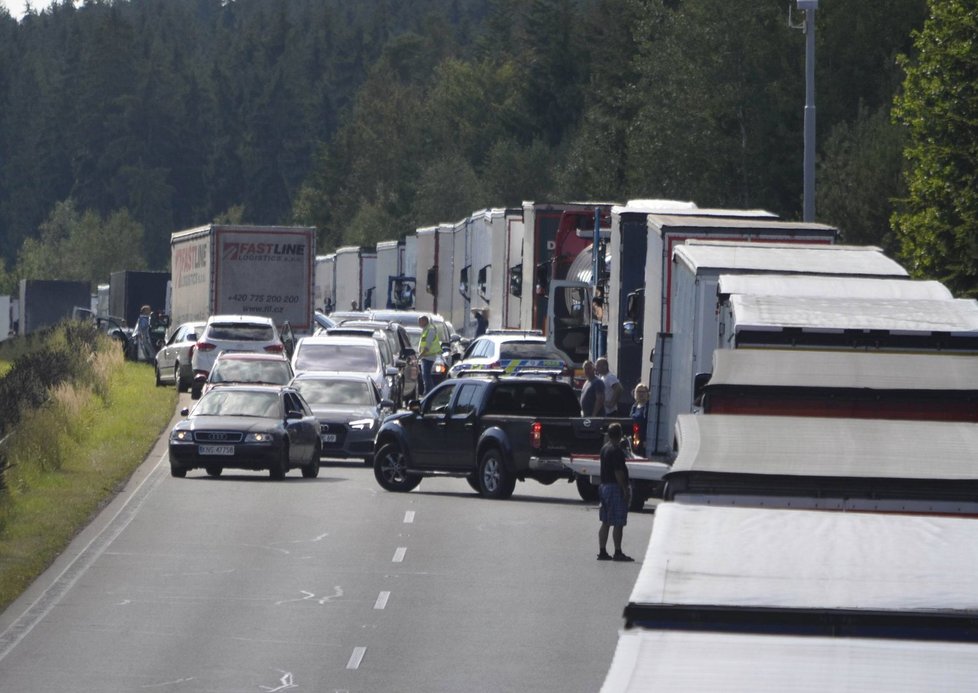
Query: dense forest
{"type": "Point", "coordinates": [123, 121]}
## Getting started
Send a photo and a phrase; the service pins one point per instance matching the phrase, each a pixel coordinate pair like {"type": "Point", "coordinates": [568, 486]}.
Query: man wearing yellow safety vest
{"type": "Point", "coordinates": [428, 349]}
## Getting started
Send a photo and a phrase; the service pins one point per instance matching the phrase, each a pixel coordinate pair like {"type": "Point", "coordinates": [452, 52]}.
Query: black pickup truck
{"type": "Point", "coordinates": [492, 430]}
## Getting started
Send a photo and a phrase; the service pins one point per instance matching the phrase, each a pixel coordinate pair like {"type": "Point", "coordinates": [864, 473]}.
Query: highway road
{"type": "Point", "coordinates": [245, 584]}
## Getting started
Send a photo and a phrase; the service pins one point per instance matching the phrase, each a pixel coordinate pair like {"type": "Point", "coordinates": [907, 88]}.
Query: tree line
{"type": "Point", "coordinates": [123, 121]}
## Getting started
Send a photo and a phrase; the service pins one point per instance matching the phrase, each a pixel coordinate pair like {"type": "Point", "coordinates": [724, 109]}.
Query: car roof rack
{"type": "Point", "coordinates": [510, 331]}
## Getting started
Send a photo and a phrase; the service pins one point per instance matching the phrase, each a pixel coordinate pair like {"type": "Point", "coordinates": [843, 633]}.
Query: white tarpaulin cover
{"type": "Point", "coordinates": [773, 313]}
{"type": "Point", "coordinates": [747, 558]}
{"type": "Point", "coordinates": [840, 287]}
{"type": "Point", "coordinates": [648, 660]}
{"type": "Point", "coordinates": [801, 368]}
{"type": "Point", "coordinates": [786, 445]}
{"type": "Point", "coordinates": [788, 258]}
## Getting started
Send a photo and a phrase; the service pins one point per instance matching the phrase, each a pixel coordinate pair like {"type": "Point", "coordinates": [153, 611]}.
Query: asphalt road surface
{"type": "Point", "coordinates": [331, 584]}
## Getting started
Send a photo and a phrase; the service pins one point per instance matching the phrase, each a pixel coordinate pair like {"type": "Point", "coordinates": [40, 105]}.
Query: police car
{"type": "Point", "coordinates": [513, 352]}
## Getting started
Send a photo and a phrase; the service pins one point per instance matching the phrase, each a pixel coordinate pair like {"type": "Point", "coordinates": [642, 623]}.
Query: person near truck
{"type": "Point", "coordinates": [592, 394]}
{"type": "Point", "coordinates": [614, 494]}
{"type": "Point", "coordinates": [144, 349]}
{"type": "Point", "coordinates": [640, 413]}
{"type": "Point", "coordinates": [612, 387]}
{"type": "Point", "coordinates": [429, 348]}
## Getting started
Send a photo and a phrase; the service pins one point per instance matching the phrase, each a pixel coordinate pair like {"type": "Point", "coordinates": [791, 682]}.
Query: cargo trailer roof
{"type": "Point", "coordinates": [813, 314]}
{"type": "Point", "coordinates": [773, 570]}
{"type": "Point", "coordinates": [803, 368]}
{"type": "Point", "coordinates": [669, 660]}
{"type": "Point", "coordinates": [814, 446]}
{"type": "Point", "coordinates": [787, 258]}
{"type": "Point", "coordinates": [714, 219]}
{"type": "Point", "coordinates": [820, 285]}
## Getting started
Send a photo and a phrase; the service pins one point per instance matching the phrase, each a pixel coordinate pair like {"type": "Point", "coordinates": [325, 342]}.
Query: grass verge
{"type": "Point", "coordinates": [69, 458]}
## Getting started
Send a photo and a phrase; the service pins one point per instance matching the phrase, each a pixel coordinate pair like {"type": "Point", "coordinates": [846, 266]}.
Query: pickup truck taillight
{"type": "Point", "coordinates": [536, 435]}
{"type": "Point", "coordinates": [205, 346]}
{"type": "Point", "coordinates": [275, 348]}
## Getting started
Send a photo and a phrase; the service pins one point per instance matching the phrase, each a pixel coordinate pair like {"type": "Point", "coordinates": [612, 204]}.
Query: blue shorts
{"type": "Point", "coordinates": [614, 509]}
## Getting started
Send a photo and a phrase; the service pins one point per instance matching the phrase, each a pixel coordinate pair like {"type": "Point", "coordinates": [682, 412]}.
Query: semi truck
{"type": "Point", "coordinates": [244, 270]}
{"type": "Point", "coordinates": [46, 302]}
{"type": "Point", "coordinates": [129, 290]}
{"type": "Point", "coordinates": [355, 276]}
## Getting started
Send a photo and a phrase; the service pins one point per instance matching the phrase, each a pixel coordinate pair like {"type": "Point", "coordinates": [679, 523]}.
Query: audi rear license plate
{"type": "Point", "coordinates": [215, 449]}
{"type": "Point", "coordinates": [329, 437]}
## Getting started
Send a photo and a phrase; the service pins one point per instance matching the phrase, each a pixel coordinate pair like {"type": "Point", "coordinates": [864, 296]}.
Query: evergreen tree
{"type": "Point", "coordinates": [938, 223]}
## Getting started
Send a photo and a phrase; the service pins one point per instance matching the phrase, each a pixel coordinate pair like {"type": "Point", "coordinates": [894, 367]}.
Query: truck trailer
{"type": "Point", "coordinates": [355, 277]}
{"type": "Point", "coordinates": [130, 290]}
{"type": "Point", "coordinates": [46, 302]}
{"type": "Point", "coordinates": [244, 270]}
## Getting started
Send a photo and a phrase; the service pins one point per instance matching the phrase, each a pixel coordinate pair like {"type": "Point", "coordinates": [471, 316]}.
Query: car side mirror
{"type": "Point", "coordinates": [391, 371]}
{"type": "Point", "coordinates": [293, 415]}
{"type": "Point", "coordinates": [386, 404]}
{"type": "Point", "coordinates": [415, 406]}
{"type": "Point", "coordinates": [185, 412]}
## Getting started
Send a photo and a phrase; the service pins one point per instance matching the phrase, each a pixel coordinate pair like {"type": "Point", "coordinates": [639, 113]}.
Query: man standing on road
{"type": "Point", "coordinates": [612, 388]}
{"type": "Point", "coordinates": [614, 493]}
{"type": "Point", "coordinates": [428, 349]}
{"type": "Point", "coordinates": [592, 394]}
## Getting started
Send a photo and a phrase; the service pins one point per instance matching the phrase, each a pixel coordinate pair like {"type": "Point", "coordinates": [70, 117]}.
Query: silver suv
{"type": "Point", "coordinates": [231, 333]}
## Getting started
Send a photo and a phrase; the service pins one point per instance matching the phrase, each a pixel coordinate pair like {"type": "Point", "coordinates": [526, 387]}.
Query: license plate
{"type": "Point", "coordinates": [329, 437]}
{"type": "Point", "coordinates": [215, 449]}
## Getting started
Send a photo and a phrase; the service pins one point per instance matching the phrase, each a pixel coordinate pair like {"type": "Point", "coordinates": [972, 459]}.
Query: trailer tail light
{"type": "Point", "coordinates": [275, 348]}
{"type": "Point", "coordinates": [536, 435]}
{"type": "Point", "coordinates": [636, 436]}
{"type": "Point", "coordinates": [205, 346]}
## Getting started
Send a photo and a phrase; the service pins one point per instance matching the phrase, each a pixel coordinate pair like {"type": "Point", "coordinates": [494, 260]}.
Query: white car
{"type": "Point", "coordinates": [173, 360]}
{"type": "Point", "coordinates": [344, 354]}
{"type": "Point", "coordinates": [231, 333]}
{"type": "Point", "coordinates": [513, 353]}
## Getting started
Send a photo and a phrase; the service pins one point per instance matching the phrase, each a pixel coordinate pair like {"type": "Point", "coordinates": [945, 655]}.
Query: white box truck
{"type": "Point", "coordinates": [244, 270]}
{"type": "Point", "coordinates": [355, 277]}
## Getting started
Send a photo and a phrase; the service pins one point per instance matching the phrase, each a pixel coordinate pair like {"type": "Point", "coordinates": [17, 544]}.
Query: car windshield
{"type": "Point", "coordinates": [241, 332]}
{"type": "Point", "coordinates": [222, 402]}
{"type": "Point", "coordinates": [235, 371]}
{"type": "Point", "coordinates": [528, 350]}
{"type": "Point", "coordinates": [352, 392]}
{"type": "Point", "coordinates": [336, 357]}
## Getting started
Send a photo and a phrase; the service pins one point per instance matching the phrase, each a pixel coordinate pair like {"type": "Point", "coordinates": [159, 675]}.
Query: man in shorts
{"type": "Point", "coordinates": [614, 493]}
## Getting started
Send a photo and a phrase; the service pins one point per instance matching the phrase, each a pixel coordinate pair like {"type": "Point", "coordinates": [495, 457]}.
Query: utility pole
{"type": "Point", "coordinates": [809, 7]}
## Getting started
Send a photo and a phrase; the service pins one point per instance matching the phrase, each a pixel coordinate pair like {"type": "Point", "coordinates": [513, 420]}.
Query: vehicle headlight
{"type": "Point", "coordinates": [362, 424]}
{"type": "Point", "coordinates": [181, 436]}
{"type": "Point", "coordinates": [258, 438]}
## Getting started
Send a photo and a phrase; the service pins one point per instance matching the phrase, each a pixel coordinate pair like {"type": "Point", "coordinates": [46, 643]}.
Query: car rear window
{"type": "Point", "coordinates": [233, 371]}
{"type": "Point", "coordinates": [241, 332]}
{"type": "Point", "coordinates": [347, 392]}
{"type": "Point", "coordinates": [337, 357]}
{"type": "Point", "coordinates": [534, 399]}
{"type": "Point", "coordinates": [528, 350]}
{"type": "Point", "coordinates": [220, 402]}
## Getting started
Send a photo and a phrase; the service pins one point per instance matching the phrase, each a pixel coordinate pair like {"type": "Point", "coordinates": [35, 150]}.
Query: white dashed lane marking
{"type": "Point", "coordinates": [399, 554]}
{"type": "Point", "coordinates": [382, 598]}
{"type": "Point", "coordinates": [356, 657]}
{"type": "Point", "coordinates": [409, 517]}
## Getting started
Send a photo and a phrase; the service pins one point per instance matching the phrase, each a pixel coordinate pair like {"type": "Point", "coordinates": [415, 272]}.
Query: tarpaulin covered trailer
{"type": "Point", "coordinates": [808, 572]}
{"type": "Point", "coordinates": [874, 465]}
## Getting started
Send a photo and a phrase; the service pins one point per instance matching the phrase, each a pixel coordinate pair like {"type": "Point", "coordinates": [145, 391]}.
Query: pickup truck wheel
{"type": "Point", "coordinates": [637, 501]}
{"type": "Point", "coordinates": [585, 489]}
{"type": "Point", "coordinates": [495, 481]}
{"type": "Point", "coordinates": [390, 470]}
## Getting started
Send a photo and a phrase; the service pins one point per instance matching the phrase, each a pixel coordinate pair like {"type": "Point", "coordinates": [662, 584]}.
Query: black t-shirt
{"type": "Point", "coordinates": [612, 459]}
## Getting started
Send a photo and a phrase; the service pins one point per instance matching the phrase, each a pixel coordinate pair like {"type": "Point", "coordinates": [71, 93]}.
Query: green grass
{"type": "Point", "coordinates": [67, 460]}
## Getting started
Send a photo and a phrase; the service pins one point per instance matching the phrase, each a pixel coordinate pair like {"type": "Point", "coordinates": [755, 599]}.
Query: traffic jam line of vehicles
{"type": "Point", "coordinates": [777, 362]}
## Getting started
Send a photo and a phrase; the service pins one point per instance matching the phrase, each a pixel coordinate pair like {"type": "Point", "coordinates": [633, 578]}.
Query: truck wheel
{"type": "Point", "coordinates": [585, 489]}
{"type": "Point", "coordinates": [495, 481]}
{"type": "Point", "coordinates": [390, 470]}
{"type": "Point", "coordinates": [311, 470]}
{"type": "Point", "coordinates": [280, 466]}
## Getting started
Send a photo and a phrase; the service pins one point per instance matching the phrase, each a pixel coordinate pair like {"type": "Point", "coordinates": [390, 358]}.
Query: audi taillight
{"type": "Point", "coordinates": [536, 435]}
{"type": "Point", "coordinates": [205, 346]}
{"type": "Point", "coordinates": [275, 348]}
